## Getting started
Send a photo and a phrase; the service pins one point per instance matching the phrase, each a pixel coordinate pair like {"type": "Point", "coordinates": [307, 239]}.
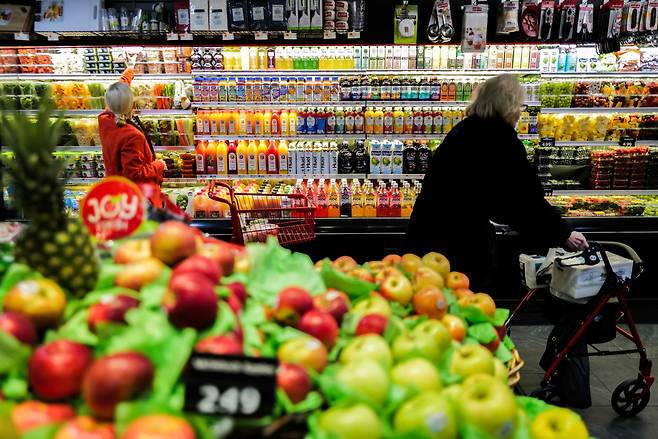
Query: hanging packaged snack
{"type": "Point", "coordinates": [218, 15]}
{"type": "Point", "coordinates": [546, 20]}
{"type": "Point", "coordinates": [585, 24]}
{"type": "Point", "coordinates": [405, 23]}
{"type": "Point", "coordinates": [357, 9]}
{"type": "Point", "coordinates": [277, 14]}
{"type": "Point", "coordinates": [258, 15]}
{"type": "Point", "coordinates": [632, 17]}
{"type": "Point", "coordinates": [440, 28]}
{"type": "Point", "coordinates": [474, 28]}
{"type": "Point", "coordinates": [609, 26]}
{"type": "Point", "coordinates": [650, 16]}
{"type": "Point", "coordinates": [508, 17]}
{"type": "Point", "coordinates": [567, 18]}
{"type": "Point", "coordinates": [237, 15]}
{"type": "Point", "coordinates": [530, 13]}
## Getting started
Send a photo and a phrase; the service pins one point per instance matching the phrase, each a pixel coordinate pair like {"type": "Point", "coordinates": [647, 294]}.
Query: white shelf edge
{"type": "Point", "coordinates": [611, 74]}
{"type": "Point", "coordinates": [211, 105]}
{"type": "Point", "coordinates": [410, 72]}
{"type": "Point", "coordinates": [96, 76]}
{"type": "Point", "coordinates": [279, 137]}
{"type": "Point", "coordinates": [96, 112]}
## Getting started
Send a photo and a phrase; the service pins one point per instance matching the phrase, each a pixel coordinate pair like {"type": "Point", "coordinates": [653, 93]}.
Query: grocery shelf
{"type": "Point", "coordinates": [395, 176]}
{"type": "Point", "coordinates": [433, 136]}
{"type": "Point", "coordinates": [277, 137]}
{"type": "Point", "coordinates": [603, 192]}
{"type": "Point", "coordinates": [172, 112]}
{"type": "Point", "coordinates": [422, 72]}
{"type": "Point", "coordinates": [113, 77]}
{"type": "Point", "coordinates": [604, 143]}
{"type": "Point", "coordinates": [635, 110]}
{"type": "Point", "coordinates": [598, 75]}
{"type": "Point", "coordinates": [213, 105]}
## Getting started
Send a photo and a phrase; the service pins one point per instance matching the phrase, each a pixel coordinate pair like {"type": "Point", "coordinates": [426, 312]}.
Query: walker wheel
{"type": "Point", "coordinates": [626, 400]}
{"type": "Point", "coordinates": [548, 394]}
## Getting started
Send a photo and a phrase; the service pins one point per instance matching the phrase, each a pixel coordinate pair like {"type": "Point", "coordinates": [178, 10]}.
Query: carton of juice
{"type": "Point", "coordinates": [387, 157]}
{"type": "Point", "coordinates": [376, 157]}
{"type": "Point", "coordinates": [396, 163]}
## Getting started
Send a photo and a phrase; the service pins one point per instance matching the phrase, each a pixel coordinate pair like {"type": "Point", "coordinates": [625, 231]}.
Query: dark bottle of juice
{"type": "Point", "coordinates": [345, 89]}
{"type": "Point", "coordinates": [396, 89]}
{"type": "Point", "coordinates": [405, 84]}
{"type": "Point", "coordinates": [345, 159]}
{"type": "Point", "coordinates": [356, 89]}
{"type": "Point", "coordinates": [435, 89]}
{"type": "Point", "coordinates": [414, 89]}
{"type": "Point", "coordinates": [424, 91]}
{"type": "Point", "coordinates": [386, 88]}
{"type": "Point", "coordinates": [366, 89]}
{"type": "Point", "coordinates": [361, 158]}
{"type": "Point", "coordinates": [424, 156]}
{"type": "Point", "coordinates": [376, 89]}
{"type": "Point", "coordinates": [409, 158]}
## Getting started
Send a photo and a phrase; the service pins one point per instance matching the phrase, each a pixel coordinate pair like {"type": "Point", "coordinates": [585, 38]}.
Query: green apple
{"type": "Point", "coordinates": [366, 377]}
{"type": "Point", "coordinates": [354, 422]}
{"type": "Point", "coordinates": [418, 374]}
{"type": "Point", "coordinates": [558, 423]}
{"type": "Point", "coordinates": [413, 345]}
{"type": "Point", "coordinates": [452, 393]}
{"type": "Point", "coordinates": [373, 304]}
{"type": "Point", "coordinates": [437, 330]}
{"type": "Point", "coordinates": [471, 359]}
{"type": "Point", "coordinates": [428, 412]}
{"type": "Point", "coordinates": [500, 371]}
{"type": "Point", "coordinates": [369, 346]}
{"type": "Point", "coordinates": [488, 404]}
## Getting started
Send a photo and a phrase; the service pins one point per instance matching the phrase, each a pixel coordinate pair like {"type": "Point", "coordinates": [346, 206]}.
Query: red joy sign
{"type": "Point", "coordinates": [113, 208]}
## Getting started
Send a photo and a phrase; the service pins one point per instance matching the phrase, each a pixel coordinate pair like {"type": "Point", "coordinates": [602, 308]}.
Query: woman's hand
{"type": "Point", "coordinates": [576, 242]}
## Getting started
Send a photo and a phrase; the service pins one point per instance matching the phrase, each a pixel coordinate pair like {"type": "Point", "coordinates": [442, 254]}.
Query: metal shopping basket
{"type": "Point", "coordinates": [255, 217]}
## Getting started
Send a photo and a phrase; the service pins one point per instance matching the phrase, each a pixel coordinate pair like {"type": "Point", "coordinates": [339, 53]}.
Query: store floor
{"type": "Point", "coordinates": [606, 374]}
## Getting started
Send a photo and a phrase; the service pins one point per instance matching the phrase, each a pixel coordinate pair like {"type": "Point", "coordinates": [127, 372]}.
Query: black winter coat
{"type": "Point", "coordinates": [479, 174]}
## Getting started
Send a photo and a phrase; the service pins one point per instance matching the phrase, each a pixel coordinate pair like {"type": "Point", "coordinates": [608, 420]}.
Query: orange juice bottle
{"type": "Point", "coordinates": [284, 122]}
{"type": "Point", "coordinates": [223, 122]}
{"type": "Point", "coordinates": [379, 121]}
{"type": "Point", "coordinates": [199, 123]}
{"type": "Point", "coordinates": [242, 117]}
{"type": "Point", "coordinates": [250, 123]}
{"type": "Point", "coordinates": [369, 200]}
{"type": "Point", "coordinates": [262, 157]}
{"type": "Point", "coordinates": [357, 200]}
{"type": "Point", "coordinates": [233, 123]}
{"type": "Point", "coordinates": [211, 158]}
{"type": "Point", "coordinates": [272, 158]}
{"type": "Point", "coordinates": [232, 158]}
{"type": "Point", "coordinates": [201, 157]}
{"type": "Point", "coordinates": [258, 123]}
{"type": "Point", "coordinates": [206, 122]}
{"type": "Point", "coordinates": [214, 123]}
{"type": "Point", "coordinates": [292, 123]}
{"type": "Point", "coordinates": [267, 122]}
{"type": "Point", "coordinates": [276, 123]}
{"type": "Point", "coordinates": [369, 121]}
{"type": "Point", "coordinates": [398, 121]}
{"type": "Point", "coordinates": [222, 158]}
{"type": "Point", "coordinates": [241, 151]}
{"type": "Point", "coordinates": [252, 158]}
{"type": "Point", "coordinates": [283, 157]}
{"type": "Point", "coordinates": [333, 205]}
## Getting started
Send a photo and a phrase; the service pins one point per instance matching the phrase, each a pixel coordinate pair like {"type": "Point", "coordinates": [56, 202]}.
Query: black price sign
{"type": "Point", "coordinates": [547, 142]}
{"type": "Point", "coordinates": [627, 141]}
{"type": "Point", "coordinates": [240, 387]}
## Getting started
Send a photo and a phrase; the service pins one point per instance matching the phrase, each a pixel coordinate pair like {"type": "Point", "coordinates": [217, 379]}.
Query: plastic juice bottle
{"type": "Point", "coordinates": [211, 158]}
{"type": "Point", "coordinates": [357, 200]}
{"type": "Point", "coordinates": [242, 117]}
{"type": "Point", "coordinates": [249, 123]}
{"type": "Point", "coordinates": [233, 123]}
{"type": "Point", "coordinates": [359, 121]}
{"type": "Point", "coordinates": [388, 121]}
{"type": "Point", "coordinates": [258, 123]}
{"type": "Point", "coordinates": [340, 121]}
{"type": "Point", "coordinates": [199, 123]}
{"type": "Point", "coordinates": [330, 125]}
{"type": "Point", "coordinates": [383, 200]}
{"type": "Point", "coordinates": [272, 158]}
{"type": "Point", "coordinates": [232, 158]}
{"type": "Point", "coordinates": [345, 199]}
{"type": "Point", "coordinates": [267, 122]}
{"type": "Point", "coordinates": [408, 121]}
{"type": "Point", "coordinates": [241, 151]}
{"type": "Point", "coordinates": [292, 122]}
{"type": "Point", "coordinates": [222, 158]}
{"type": "Point", "coordinates": [291, 93]}
{"type": "Point", "coordinates": [396, 203]}
{"type": "Point", "coordinates": [437, 121]}
{"type": "Point", "coordinates": [201, 157]}
{"type": "Point", "coordinates": [276, 123]}
{"type": "Point", "coordinates": [214, 123]}
{"type": "Point", "coordinates": [398, 121]}
{"type": "Point", "coordinates": [262, 157]}
{"type": "Point", "coordinates": [283, 157]}
{"type": "Point", "coordinates": [321, 210]}
{"type": "Point", "coordinates": [418, 122]}
{"type": "Point", "coordinates": [447, 121]}
{"type": "Point", "coordinates": [283, 121]}
{"type": "Point", "coordinates": [252, 158]}
{"type": "Point", "coordinates": [206, 122]}
{"type": "Point", "coordinates": [428, 121]}
{"type": "Point", "coordinates": [333, 206]}
{"type": "Point", "coordinates": [369, 201]}
{"type": "Point", "coordinates": [222, 123]}
{"type": "Point", "coordinates": [349, 121]}
{"type": "Point", "coordinates": [369, 121]}
{"type": "Point", "coordinates": [232, 88]}
{"type": "Point", "coordinates": [379, 121]}
{"type": "Point", "coordinates": [406, 202]}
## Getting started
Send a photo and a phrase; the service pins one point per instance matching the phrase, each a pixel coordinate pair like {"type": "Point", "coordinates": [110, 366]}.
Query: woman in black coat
{"type": "Point", "coordinates": [480, 174]}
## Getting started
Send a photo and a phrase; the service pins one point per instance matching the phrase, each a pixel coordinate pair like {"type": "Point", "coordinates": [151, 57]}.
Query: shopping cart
{"type": "Point", "coordinates": [631, 396]}
{"type": "Point", "coordinates": [255, 217]}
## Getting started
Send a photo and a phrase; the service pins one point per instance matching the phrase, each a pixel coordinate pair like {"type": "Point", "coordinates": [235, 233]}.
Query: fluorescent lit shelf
{"type": "Point", "coordinates": [419, 72]}
{"type": "Point", "coordinates": [111, 77]}
{"type": "Point", "coordinates": [436, 136]}
{"type": "Point", "coordinates": [591, 110]}
{"type": "Point", "coordinates": [603, 192]}
{"type": "Point", "coordinates": [82, 181]}
{"type": "Point", "coordinates": [83, 148]}
{"type": "Point", "coordinates": [95, 112]}
{"type": "Point", "coordinates": [598, 75]}
{"type": "Point", "coordinates": [277, 137]}
{"type": "Point", "coordinates": [604, 143]}
{"type": "Point", "coordinates": [257, 105]}
{"type": "Point", "coordinates": [395, 176]}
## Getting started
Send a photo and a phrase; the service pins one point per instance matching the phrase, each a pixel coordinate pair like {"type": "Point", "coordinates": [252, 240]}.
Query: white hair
{"type": "Point", "coordinates": [501, 96]}
{"type": "Point", "coordinates": [119, 99]}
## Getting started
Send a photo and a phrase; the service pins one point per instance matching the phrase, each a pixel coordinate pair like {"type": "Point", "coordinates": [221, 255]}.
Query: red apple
{"type": "Point", "coordinates": [159, 427]}
{"type": "Point", "coordinates": [295, 381]}
{"type": "Point", "coordinates": [392, 260]}
{"type": "Point", "coordinates": [484, 302]}
{"type": "Point", "coordinates": [202, 265]}
{"type": "Point", "coordinates": [239, 290]}
{"type": "Point", "coordinates": [56, 369]}
{"type": "Point", "coordinates": [224, 255]}
{"type": "Point", "coordinates": [456, 280]}
{"type": "Point", "coordinates": [31, 414]}
{"type": "Point", "coordinates": [227, 344]}
{"type": "Point", "coordinates": [345, 264]}
{"type": "Point", "coordinates": [363, 274]}
{"type": "Point", "coordinates": [455, 326]}
{"type": "Point", "coordinates": [397, 288]}
{"type": "Point", "coordinates": [321, 325]}
{"type": "Point", "coordinates": [173, 242]}
{"type": "Point", "coordinates": [493, 344]}
{"type": "Point", "coordinates": [430, 301]}
{"type": "Point", "coordinates": [40, 300]}
{"type": "Point", "coordinates": [18, 325]}
{"type": "Point", "coordinates": [191, 301]}
{"type": "Point", "coordinates": [84, 427]}
{"type": "Point", "coordinates": [410, 263]}
{"type": "Point", "coordinates": [110, 309]}
{"type": "Point", "coordinates": [291, 304]}
{"type": "Point", "coordinates": [137, 274]}
{"type": "Point", "coordinates": [371, 324]}
{"type": "Point", "coordinates": [460, 293]}
{"type": "Point", "coordinates": [114, 379]}
{"type": "Point", "coordinates": [133, 251]}
{"type": "Point", "coordinates": [386, 273]}
{"type": "Point", "coordinates": [334, 302]}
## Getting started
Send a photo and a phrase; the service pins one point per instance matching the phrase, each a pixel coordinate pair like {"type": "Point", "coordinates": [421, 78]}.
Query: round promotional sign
{"type": "Point", "coordinates": [113, 209]}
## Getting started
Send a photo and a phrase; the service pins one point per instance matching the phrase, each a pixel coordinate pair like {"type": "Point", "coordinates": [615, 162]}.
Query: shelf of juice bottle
{"type": "Point", "coordinates": [278, 137]}
{"type": "Point", "coordinates": [594, 110]}
{"type": "Point", "coordinates": [289, 104]}
{"type": "Point", "coordinates": [471, 73]}
{"type": "Point", "coordinates": [96, 111]}
{"type": "Point", "coordinates": [110, 77]}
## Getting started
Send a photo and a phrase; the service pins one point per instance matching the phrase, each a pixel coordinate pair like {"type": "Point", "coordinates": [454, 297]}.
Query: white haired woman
{"type": "Point", "coordinates": [480, 174]}
{"type": "Point", "coordinates": [127, 150]}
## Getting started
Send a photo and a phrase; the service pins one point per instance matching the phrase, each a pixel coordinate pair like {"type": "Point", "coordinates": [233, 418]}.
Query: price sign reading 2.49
{"type": "Point", "coordinates": [235, 386]}
{"type": "Point", "coordinates": [113, 209]}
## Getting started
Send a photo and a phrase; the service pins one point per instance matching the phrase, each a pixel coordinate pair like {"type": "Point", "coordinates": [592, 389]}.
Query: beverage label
{"type": "Point", "coordinates": [232, 162]}
{"type": "Point", "coordinates": [283, 163]}
{"type": "Point", "coordinates": [221, 164]}
{"type": "Point", "coordinates": [242, 162]}
{"type": "Point", "coordinates": [271, 163]}
{"type": "Point", "coordinates": [262, 162]}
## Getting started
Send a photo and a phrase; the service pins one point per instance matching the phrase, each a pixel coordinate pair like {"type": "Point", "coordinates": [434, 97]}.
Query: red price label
{"type": "Point", "coordinates": [113, 209]}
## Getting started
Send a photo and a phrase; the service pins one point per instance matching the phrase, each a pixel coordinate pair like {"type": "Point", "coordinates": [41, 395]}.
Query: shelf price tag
{"type": "Point", "coordinates": [290, 35]}
{"type": "Point", "coordinates": [185, 37]}
{"type": "Point", "coordinates": [547, 142]}
{"type": "Point", "coordinates": [329, 35]}
{"type": "Point", "coordinates": [353, 35]}
{"type": "Point", "coordinates": [228, 36]}
{"type": "Point", "coordinates": [21, 36]}
{"type": "Point", "coordinates": [228, 385]}
{"type": "Point", "coordinates": [260, 36]}
{"type": "Point", "coordinates": [627, 141]}
{"type": "Point", "coordinates": [172, 37]}
{"type": "Point", "coordinates": [52, 36]}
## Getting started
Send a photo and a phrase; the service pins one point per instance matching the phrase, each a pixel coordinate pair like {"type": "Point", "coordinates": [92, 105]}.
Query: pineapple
{"type": "Point", "coordinates": [54, 244]}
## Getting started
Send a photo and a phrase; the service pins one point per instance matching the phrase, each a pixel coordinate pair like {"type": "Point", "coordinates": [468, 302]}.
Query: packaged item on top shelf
{"type": "Point", "coordinates": [9, 61]}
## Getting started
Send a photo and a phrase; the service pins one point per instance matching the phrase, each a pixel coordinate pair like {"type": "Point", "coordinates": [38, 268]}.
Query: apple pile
{"type": "Point", "coordinates": [393, 348]}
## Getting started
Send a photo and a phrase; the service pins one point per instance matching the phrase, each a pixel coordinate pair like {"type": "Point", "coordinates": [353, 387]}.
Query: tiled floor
{"type": "Point", "coordinates": [606, 374]}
